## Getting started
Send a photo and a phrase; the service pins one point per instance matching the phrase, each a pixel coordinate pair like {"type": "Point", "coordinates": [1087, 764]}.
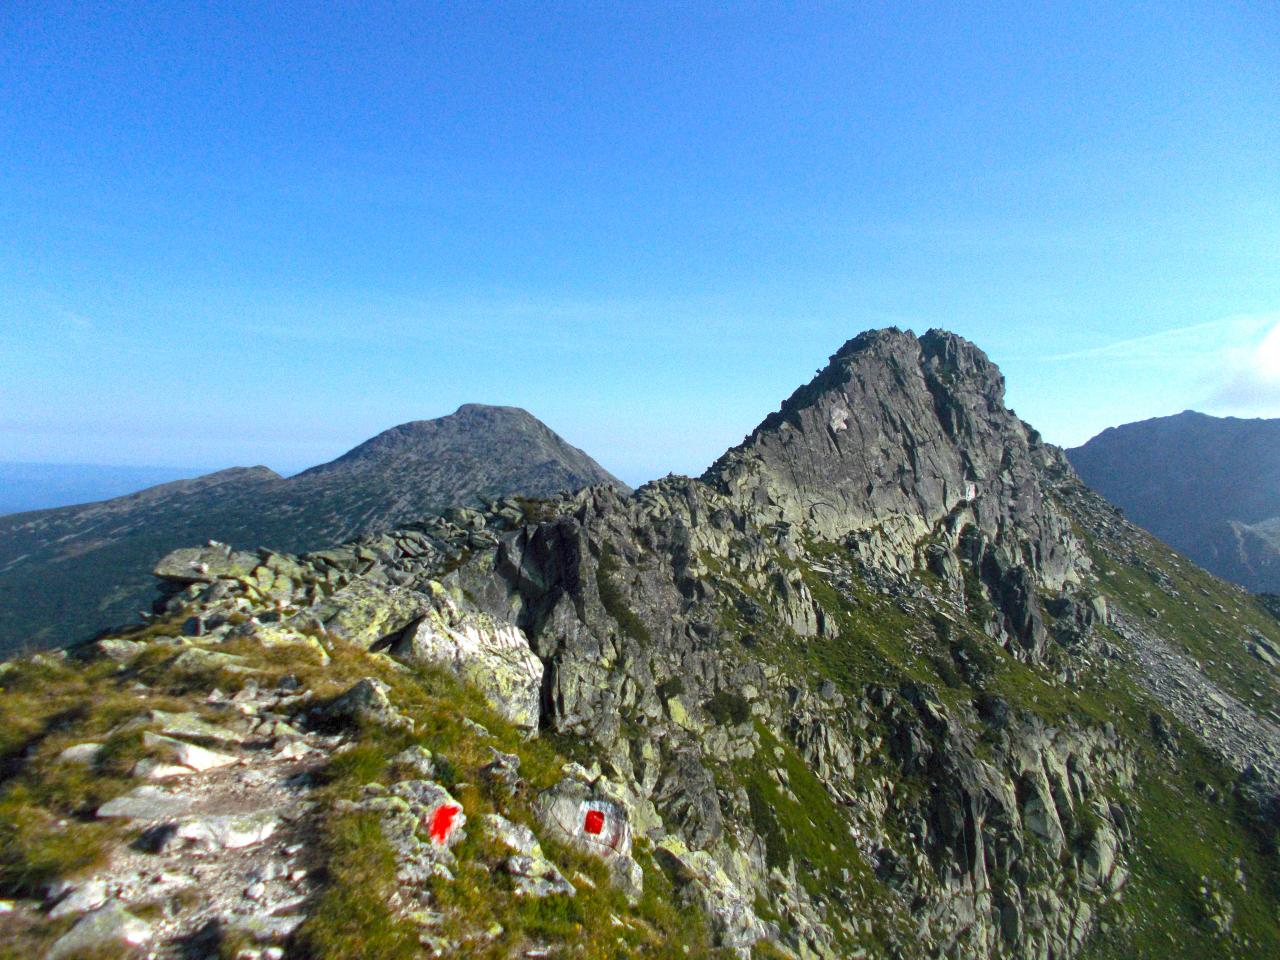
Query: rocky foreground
{"type": "Point", "coordinates": [888, 681]}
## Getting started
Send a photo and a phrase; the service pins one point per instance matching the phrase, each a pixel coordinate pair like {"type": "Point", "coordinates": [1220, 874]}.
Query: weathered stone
{"type": "Point", "coordinates": [406, 810]}
{"type": "Point", "coordinates": [197, 659]}
{"type": "Point", "coordinates": [185, 754]}
{"type": "Point", "coordinates": [419, 759]}
{"type": "Point", "coordinates": [191, 726]}
{"type": "Point", "coordinates": [85, 754]}
{"type": "Point", "coordinates": [118, 649]}
{"type": "Point", "coordinates": [734, 921]}
{"type": "Point", "coordinates": [494, 657]}
{"type": "Point", "coordinates": [229, 831]}
{"type": "Point", "coordinates": [147, 803]}
{"type": "Point", "coordinates": [365, 613]}
{"type": "Point", "coordinates": [532, 873]}
{"type": "Point", "coordinates": [365, 702]}
{"type": "Point", "coordinates": [107, 928]}
{"type": "Point", "coordinates": [577, 813]}
{"type": "Point", "coordinates": [87, 896]}
{"type": "Point", "coordinates": [205, 564]}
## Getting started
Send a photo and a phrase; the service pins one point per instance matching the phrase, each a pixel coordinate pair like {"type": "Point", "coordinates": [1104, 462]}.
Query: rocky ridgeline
{"type": "Point", "coordinates": [858, 692]}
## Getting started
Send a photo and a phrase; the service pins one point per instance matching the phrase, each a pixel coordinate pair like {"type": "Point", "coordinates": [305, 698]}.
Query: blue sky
{"type": "Point", "coordinates": [261, 233]}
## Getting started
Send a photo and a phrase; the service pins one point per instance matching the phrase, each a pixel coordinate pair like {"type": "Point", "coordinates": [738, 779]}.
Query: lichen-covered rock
{"type": "Point", "coordinates": [205, 564]}
{"type": "Point", "coordinates": [532, 873]}
{"type": "Point", "coordinates": [364, 703]}
{"type": "Point", "coordinates": [365, 612]}
{"type": "Point", "coordinates": [422, 821]}
{"type": "Point", "coordinates": [493, 656]}
{"type": "Point", "coordinates": [734, 921]}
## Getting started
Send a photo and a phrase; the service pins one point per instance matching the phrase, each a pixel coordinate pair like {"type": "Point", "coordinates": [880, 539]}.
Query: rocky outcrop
{"type": "Point", "coordinates": [904, 434]}
{"type": "Point", "coordinates": [589, 816]}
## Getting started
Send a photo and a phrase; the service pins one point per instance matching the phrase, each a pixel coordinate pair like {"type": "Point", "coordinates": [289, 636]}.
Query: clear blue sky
{"type": "Point", "coordinates": [261, 233]}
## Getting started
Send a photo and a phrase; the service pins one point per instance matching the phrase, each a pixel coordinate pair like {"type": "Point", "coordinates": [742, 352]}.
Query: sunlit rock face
{"type": "Point", "coordinates": [899, 436]}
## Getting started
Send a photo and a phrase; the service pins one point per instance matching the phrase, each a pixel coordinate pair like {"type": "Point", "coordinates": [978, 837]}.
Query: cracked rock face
{"type": "Point", "coordinates": [901, 433]}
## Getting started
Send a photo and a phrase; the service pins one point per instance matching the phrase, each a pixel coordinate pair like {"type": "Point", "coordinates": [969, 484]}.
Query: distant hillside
{"type": "Point", "coordinates": [69, 572]}
{"type": "Point", "coordinates": [1209, 486]}
{"type": "Point", "coordinates": [41, 486]}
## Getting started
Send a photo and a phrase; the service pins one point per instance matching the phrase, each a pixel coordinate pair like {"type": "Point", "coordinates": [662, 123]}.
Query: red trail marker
{"type": "Point", "coordinates": [442, 821]}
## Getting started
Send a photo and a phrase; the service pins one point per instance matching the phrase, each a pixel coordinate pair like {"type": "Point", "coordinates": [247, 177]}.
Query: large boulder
{"type": "Point", "coordinates": [489, 654]}
{"type": "Point", "coordinates": [108, 931]}
{"type": "Point", "coordinates": [217, 561]}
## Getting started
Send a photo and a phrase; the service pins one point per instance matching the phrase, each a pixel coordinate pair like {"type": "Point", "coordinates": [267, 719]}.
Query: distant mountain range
{"type": "Point", "coordinates": [41, 486]}
{"type": "Point", "coordinates": [67, 573]}
{"type": "Point", "coordinates": [1208, 486]}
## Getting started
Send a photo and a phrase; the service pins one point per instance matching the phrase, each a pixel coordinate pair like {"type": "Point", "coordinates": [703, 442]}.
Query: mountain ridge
{"type": "Point", "coordinates": [827, 702]}
{"type": "Point", "coordinates": [67, 572]}
{"type": "Point", "coordinates": [1209, 486]}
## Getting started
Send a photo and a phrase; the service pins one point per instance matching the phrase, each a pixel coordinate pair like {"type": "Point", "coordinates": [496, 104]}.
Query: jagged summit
{"type": "Point", "coordinates": [896, 434]}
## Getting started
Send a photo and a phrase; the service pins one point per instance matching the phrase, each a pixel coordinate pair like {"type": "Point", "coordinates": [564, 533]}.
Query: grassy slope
{"type": "Point", "coordinates": [47, 829]}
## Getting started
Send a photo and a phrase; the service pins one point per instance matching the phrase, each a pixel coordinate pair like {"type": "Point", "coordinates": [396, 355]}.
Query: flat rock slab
{"type": "Point", "coordinates": [105, 929]}
{"type": "Point", "coordinates": [228, 832]}
{"type": "Point", "coordinates": [148, 803]}
{"type": "Point", "coordinates": [192, 726]}
{"type": "Point", "coordinates": [187, 754]}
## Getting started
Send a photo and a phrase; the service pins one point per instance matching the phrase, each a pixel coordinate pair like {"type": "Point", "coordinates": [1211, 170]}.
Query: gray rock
{"type": "Point", "coordinates": [85, 754]}
{"type": "Point", "coordinates": [107, 928]}
{"type": "Point", "coordinates": [87, 896]}
{"type": "Point", "coordinates": [185, 754]}
{"type": "Point", "coordinates": [734, 921]}
{"type": "Point", "coordinates": [493, 656]}
{"type": "Point", "coordinates": [419, 759]}
{"type": "Point", "coordinates": [532, 873]}
{"type": "Point", "coordinates": [119, 650]}
{"type": "Point", "coordinates": [221, 832]}
{"type": "Point", "coordinates": [407, 810]}
{"type": "Point", "coordinates": [205, 564]}
{"type": "Point", "coordinates": [147, 803]}
{"type": "Point", "coordinates": [577, 813]}
{"type": "Point", "coordinates": [366, 702]}
{"type": "Point", "coordinates": [192, 726]}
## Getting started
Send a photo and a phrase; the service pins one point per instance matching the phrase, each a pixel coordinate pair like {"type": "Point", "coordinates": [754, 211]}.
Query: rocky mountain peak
{"type": "Point", "coordinates": [897, 438]}
{"type": "Point", "coordinates": [473, 427]}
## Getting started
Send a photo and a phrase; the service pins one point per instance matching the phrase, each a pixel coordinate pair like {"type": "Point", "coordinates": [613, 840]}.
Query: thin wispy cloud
{"type": "Point", "coordinates": [1179, 342]}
